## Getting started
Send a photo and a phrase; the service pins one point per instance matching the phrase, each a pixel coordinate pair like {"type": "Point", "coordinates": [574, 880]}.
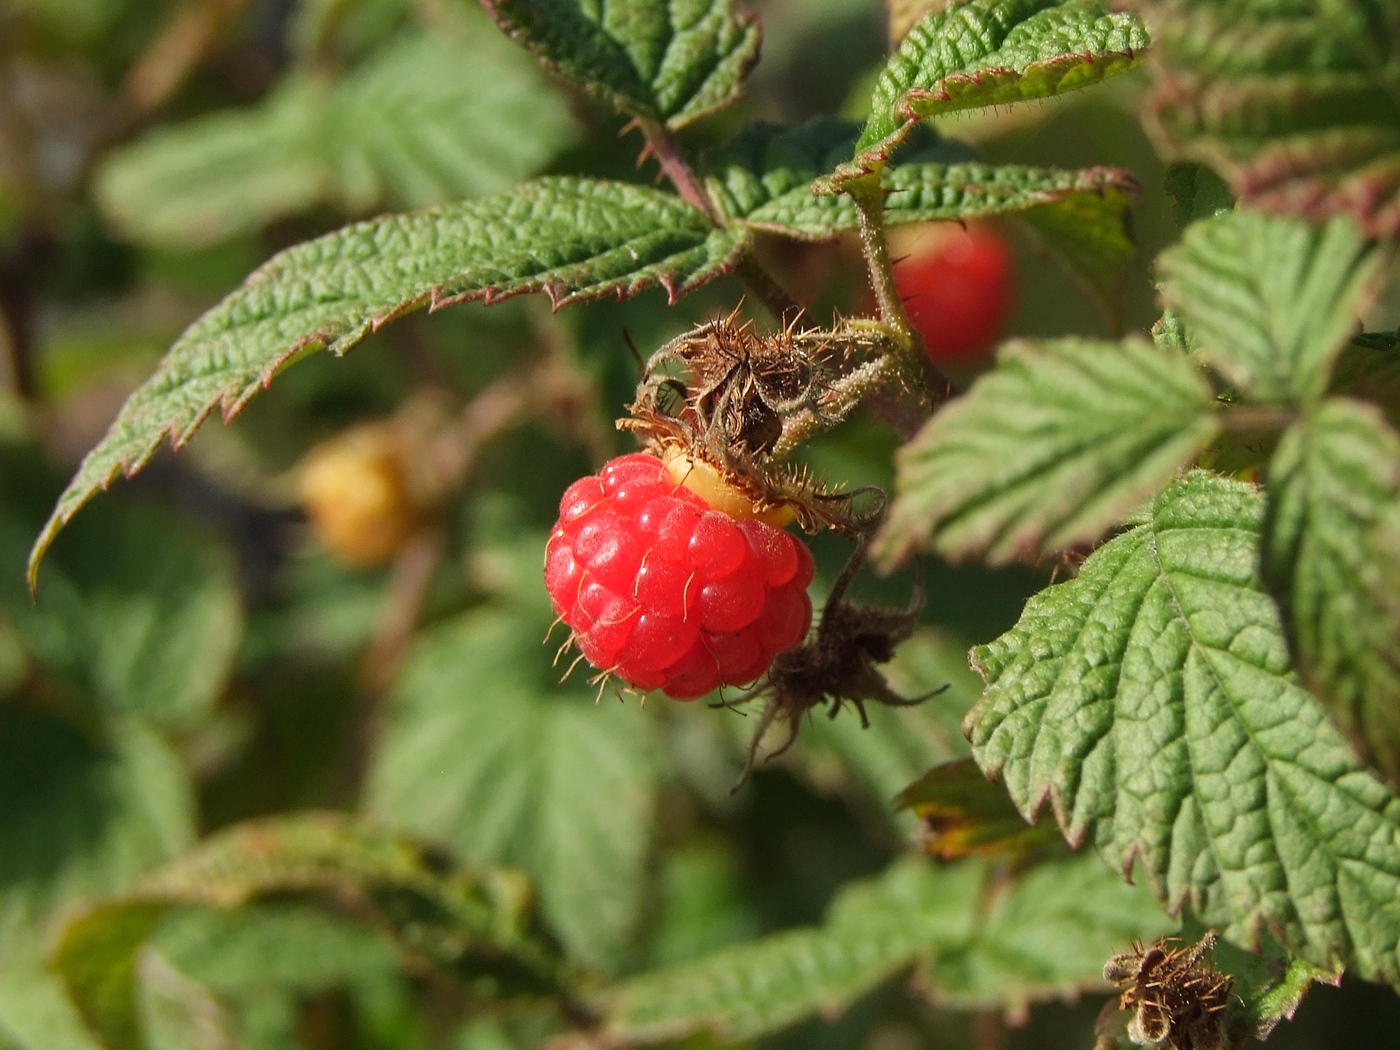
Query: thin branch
{"type": "Point", "coordinates": [766, 289]}
{"type": "Point", "coordinates": [1246, 418]}
{"type": "Point", "coordinates": [667, 151]}
{"type": "Point", "coordinates": [661, 144]}
{"type": "Point", "coordinates": [869, 199]}
{"type": "Point", "coordinates": [918, 371]}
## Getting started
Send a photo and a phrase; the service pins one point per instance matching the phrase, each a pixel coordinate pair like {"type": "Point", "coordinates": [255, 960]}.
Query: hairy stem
{"type": "Point", "coordinates": [667, 151]}
{"type": "Point", "coordinates": [918, 373]}
{"type": "Point", "coordinates": [766, 289]}
{"type": "Point", "coordinates": [869, 199]}
{"type": "Point", "coordinates": [760, 283]}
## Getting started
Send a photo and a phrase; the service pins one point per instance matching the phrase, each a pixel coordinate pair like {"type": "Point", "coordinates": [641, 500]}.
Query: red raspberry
{"type": "Point", "coordinates": [666, 593]}
{"type": "Point", "coordinates": [958, 286]}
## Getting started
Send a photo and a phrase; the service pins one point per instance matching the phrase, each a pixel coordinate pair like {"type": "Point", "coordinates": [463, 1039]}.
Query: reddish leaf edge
{"type": "Point", "coordinates": [872, 158]}
{"type": "Point", "coordinates": [74, 498]}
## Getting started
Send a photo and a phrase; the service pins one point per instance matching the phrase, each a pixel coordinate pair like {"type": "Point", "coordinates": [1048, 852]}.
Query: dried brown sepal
{"type": "Point", "coordinates": [837, 666]}
{"type": "Point", "coordinates": [1176, 998]}
{"type": "Point", "coordinates": [738, 400]}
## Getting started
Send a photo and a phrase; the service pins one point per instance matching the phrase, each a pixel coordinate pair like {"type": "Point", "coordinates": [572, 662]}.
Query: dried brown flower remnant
{"type": "Point", "coordinates": [717, 405]}
{"type": "Point", "coordinates": [1177, 998]}
{"type": "Point", "coordinates": [838, 666]}
{"type": "Point", "coordinates": [735, 386]}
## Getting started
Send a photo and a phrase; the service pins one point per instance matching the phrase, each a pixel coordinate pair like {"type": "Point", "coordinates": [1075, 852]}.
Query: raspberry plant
{"type": "Point", "coordinates": [254, 796]}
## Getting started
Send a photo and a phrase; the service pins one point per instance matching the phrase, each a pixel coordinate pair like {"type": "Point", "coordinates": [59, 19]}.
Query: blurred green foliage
{"type": "Point", "coordinates": [199, 658]}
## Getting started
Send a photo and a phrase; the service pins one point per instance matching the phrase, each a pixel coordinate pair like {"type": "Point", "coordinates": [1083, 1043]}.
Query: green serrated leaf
{"type": "Point", "coordinates": [1151, 702]}
{"type": "Point", "coordinates": [991, 52]}
{"type": "Point", "coordinates": [574, 239]}
{"type": "Point", "coordinates": [981, 940]}
{"type": "Point", "coordinates": [874, 930]}
{"type": "Point", "coordinates": [472, 924]}
{"type": "Point", "coordinates": [1045, 935]}
{"type": "Point", "coordinates": [524, 772]}
{"type": "Point", "coordinates": [80, 816]}
{"type": "Point", "coordinates": [1056, 444]}
{"type": "Point", "coordinates": [1333, 482]}
{"type": "Point", "coordinates": [764, 179]}
{"type": "Point", "coordinates": [1270, 301]}
{"type": "Point", "coordinates": [669, 63]}
{"type": "Point", "coordinates": [1297, 106]}
{"type": "Point", "coordinates": [412, 127]}
{"type": "Point", "coordinates": [140, 614]}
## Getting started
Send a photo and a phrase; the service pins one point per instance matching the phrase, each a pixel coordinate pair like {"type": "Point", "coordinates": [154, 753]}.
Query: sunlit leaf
{"type": "Point", "coordinates": [991, 52]}
{"type": "Point", "coordinates": [1150, 701]}
{"type": "Point", "coordinates": [1060, 441]}
{"type": "Point", "coordinates": [575, 239]}
{"type": "Point", "coordinates": [670, 63]}
{"type": "Point", "coordinates": [1270, 301]}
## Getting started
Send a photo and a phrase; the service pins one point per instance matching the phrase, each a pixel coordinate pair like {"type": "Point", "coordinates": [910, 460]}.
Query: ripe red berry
{"type": "Point", "coordinates": [957, 288]}
{"type": "Point", "coordinates": [667, 593]}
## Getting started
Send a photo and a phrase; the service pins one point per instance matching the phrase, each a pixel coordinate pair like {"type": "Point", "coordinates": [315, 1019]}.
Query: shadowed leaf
{"type": "Point", "coordinates": [1334, 484]}
{"type": "Point", "coordinates": [474, 925]}
{"type": "Point", "coordinates": [962, 814]}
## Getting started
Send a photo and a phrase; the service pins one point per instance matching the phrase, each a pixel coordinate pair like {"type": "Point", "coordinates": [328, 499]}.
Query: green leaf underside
{"type": "Point", "coordinates": [1328, 558]}
{"type": "Point", "coordinates": [764, 179]}
{"type": "Point", "coordinates": [414, 126]}
{"type": "Point", "coordinates": [80, 817]}
{"type": "Point", "coordinates": [992, 52]}
{"type": "Point", "coordinates": [1300, 111]}
{"type": "Point", "coordinates": [666, 62]}
{"type": "Point", "coordinates": [1269, 985]}
{"type": "Point", "coordinates": [979, 944]}
{"type": "Point", "coordinates": [1268, 300]}
{"type": "Point", "coordinates": [1151, 702]}
{"type": "Point", "coordinates": [1059, 442]}
{"type": "Point", "coordinates": [525, 772]}
{"type": "Point", "coordinates": [447, 916]}
{"type": "Point", "coordinates": [574, 239]}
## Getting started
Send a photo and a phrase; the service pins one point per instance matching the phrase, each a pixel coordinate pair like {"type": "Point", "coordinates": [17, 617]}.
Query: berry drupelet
{"type": "Point", "coordinates": [667, 593]}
